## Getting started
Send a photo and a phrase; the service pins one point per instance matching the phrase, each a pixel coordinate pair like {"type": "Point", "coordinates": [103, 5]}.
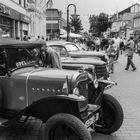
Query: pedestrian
{"type": "Point", "coordinates": [38, 38]}
{"type": "Point", "coordinates": [43, 38]}
{"type": "Point", "coordinates": [121, 45]}
{"type": "Point", "coordinates": [111, 52]}
{"type": "Point", "coordinates": [50, 57]}
{"type": "Point", "coordinates": [117, 41]}
{"type": "Point", "coordinates": [25, 38]}
{"type": "Point", "coordinates": [97, 43]}
{"type": "Point", "coordinates": [17, 38]}
{"type": "Point", "coordinates": [90, 45]}
{"type": "Point", "coordinates": [130, 49]}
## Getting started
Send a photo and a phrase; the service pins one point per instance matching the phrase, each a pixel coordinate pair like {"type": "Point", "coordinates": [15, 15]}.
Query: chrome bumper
{"type": "Point", "coordinates": [108, 82]}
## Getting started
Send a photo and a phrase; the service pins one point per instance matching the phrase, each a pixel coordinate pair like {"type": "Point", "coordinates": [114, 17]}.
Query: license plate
{"type": "Point", "coordinates": [90, 121]}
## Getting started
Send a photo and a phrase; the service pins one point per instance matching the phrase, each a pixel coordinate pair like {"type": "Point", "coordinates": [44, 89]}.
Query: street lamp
{"type": "Point", "coordinates": [73, 15]}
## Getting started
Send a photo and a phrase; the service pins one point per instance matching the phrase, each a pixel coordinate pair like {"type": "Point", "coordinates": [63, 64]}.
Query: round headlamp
{"type": "Point", "coordinates": [96, 83]}
{"type": "Point", "coordinates": [76, 91]}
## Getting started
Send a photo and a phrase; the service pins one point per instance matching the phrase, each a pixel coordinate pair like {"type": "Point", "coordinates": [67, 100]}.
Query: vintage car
{"type": "Point", "coordinates": [54, 96]}
{"type": "Point", "coordinates": [70, 49]}
{"type": "Point", "coordinates": [71, 54]}
{"type": "Point", "coordinates": [110, 112]}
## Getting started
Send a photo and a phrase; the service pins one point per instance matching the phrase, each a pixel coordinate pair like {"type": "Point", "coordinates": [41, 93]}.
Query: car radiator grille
{"type": "Point", "coordinates": [101, 71]}
{"type": "Point", "coordinates": [83, 88]}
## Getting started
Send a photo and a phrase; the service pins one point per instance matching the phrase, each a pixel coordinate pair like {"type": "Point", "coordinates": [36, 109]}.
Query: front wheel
{"type": "Point", "coordinates": [110, 115]}
{"type": "Point", "coordinates": [65, 127]}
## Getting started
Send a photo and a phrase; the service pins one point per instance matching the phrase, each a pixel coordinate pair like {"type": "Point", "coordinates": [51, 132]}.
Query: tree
{"type": "Point", "coordinates": [76, 24]}
{"type": "Point", "coordinates": [103, 23]}
{"type": "Point", "coordinates": [93, 24]}
{"type": "Point", "coordinates": [99, 24]}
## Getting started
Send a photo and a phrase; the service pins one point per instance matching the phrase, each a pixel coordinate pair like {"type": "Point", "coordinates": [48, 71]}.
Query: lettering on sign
{"type": "Point", "coordinates": [22, 63]}
{"type": "Point", "coordinates": [4, 10]}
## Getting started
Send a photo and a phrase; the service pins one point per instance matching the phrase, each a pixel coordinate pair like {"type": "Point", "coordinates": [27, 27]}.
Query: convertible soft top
{"type": "Point", "coordinates": [12, 43]}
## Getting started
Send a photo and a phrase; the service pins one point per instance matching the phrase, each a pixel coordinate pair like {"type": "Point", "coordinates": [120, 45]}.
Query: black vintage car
{"type": "Point", "coordinates": [71, 54]}
{"type": "Point", "coordinates": [70, 49]}
{"type": "Point", "coordinates": [110, 113]}
{"type": "Point", "coordinates": [54, 96]}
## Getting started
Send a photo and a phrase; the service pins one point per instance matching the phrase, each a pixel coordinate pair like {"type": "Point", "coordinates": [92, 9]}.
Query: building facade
{"type": "Point", "coordinates": [54, 23]}
{"type": "Point", "coordinates": [14, 21]}
{"type": "Point", "coordinates": [35, 10]}
{"type": "Point", "coordinates": [123, 21]}
{"type": "Point", "coordinates": [136, 24]}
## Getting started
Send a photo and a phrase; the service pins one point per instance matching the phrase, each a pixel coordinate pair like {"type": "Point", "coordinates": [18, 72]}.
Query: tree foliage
{"type": "Point", "coordinates": [99, 23]}
{"type": "Point", "coordinates": [76, 24]}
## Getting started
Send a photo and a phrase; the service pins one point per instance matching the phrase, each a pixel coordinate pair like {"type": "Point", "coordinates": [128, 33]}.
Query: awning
{"type": "Point", "coordinates": [72, 35]}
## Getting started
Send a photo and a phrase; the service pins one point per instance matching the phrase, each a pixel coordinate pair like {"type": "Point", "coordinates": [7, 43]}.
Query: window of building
{"type": "Point", "coordinates": [19, 2]}
{"type": "Point", "coordinates": [132, 9]}
{"type": "Point", "coordinates": [139, 22]}
{"type": "Point", "coordinates": [24, 3]}
{"type": "Point", "coordinates": [134, 23]}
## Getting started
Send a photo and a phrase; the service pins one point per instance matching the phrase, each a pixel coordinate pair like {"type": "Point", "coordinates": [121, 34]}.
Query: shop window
{"type": "Point", "coordinates": [19, 2]}
{"type": "Point", "coordinates": [0, 19]}
{"type": "Point", "coordinates": [24, 3]}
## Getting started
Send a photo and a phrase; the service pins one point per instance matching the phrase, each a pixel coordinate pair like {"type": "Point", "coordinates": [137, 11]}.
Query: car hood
{"type": "Point", "coordinates": [48, 78]}
{"type": "Point", "coordinates": [43, 73]}
{"type": "Point", "coordinates": [86, 54]}
{"type": "Point", "coordinates": [91, 61]}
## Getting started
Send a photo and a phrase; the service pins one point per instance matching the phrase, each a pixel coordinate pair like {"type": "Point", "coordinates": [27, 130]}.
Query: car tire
{"type": "Point", "coordinates": [64, 126]}
{"type": "Point", "coordinates": [110, 116]}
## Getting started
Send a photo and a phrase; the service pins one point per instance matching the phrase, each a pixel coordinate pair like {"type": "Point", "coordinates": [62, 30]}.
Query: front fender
{"type": "Point", "coordinates": [47, 107]}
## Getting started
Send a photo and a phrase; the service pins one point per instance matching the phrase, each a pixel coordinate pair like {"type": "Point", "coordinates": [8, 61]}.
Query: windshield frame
{"type": "Point", "coordinates": [70, 49]}
{"type": "Point", "coordinates": [24, 63]}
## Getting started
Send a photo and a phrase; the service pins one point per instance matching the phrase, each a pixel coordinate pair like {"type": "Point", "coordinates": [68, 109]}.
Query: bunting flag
{"type": "Point", "coordinates": [49, 4]}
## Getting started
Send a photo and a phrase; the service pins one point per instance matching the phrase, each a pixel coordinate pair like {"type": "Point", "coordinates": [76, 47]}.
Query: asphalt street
{"type": "Point", "coordinates": [128, 94]}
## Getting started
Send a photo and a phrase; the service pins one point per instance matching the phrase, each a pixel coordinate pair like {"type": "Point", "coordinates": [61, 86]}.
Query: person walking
{"type": "Point", "coordinates": [130, 49]}
{"type": "Point", "coordinates": [111, 52]}
{"type": "Point", "coordinates": [117, 41]}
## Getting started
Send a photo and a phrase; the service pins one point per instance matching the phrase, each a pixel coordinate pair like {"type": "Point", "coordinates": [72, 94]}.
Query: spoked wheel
{"type": "Point", "coordinates": [65, 127]}
{"type": "Point", "coordinates": [110, 115]}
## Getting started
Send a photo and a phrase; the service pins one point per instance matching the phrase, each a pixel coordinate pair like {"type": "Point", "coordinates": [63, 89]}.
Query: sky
{"type": "Point", "coordinates": [85, 8]}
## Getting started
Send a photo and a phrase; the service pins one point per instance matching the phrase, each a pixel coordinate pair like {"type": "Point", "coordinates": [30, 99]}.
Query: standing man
{"type": "Point", "coordinates": [130, 48]}
{"type": "Point", "coordinates": [117, 42]}
{"type": "Point", "coordinates": [97, 43]}
{"type": "Point", "coordinates": [50, 57]}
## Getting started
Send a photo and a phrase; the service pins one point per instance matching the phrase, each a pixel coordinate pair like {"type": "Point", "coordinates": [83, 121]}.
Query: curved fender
{"type": "Point", "coordinates": [47, 107]}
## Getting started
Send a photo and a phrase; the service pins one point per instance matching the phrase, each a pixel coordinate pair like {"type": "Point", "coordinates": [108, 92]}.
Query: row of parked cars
{"type": "Point", "coordinates": [67, 100]}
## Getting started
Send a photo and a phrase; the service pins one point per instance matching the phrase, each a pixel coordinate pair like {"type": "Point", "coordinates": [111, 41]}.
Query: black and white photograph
{"type": "Point", "coordinates": [69, 70]}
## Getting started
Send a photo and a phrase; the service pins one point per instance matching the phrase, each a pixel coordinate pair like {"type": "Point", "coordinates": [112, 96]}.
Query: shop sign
{"type": "Point", "coordinates": [4, 9]}
{"type": "Point", "coordinates": [25, 18]}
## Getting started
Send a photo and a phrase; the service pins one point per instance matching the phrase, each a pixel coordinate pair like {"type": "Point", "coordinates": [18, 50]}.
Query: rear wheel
{"type": "Point", "coordinates": [110, 115]}
{"type": "Point", "coordinates": [65, 127]}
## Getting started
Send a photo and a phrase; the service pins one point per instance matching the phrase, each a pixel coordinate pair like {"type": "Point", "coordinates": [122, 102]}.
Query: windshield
{"type": "Point", "coordinates": [71, 48]}
{"type": "Point", "coordinates": [21, 57]}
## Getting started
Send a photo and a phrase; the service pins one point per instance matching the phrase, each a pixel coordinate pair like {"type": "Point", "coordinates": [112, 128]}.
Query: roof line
{"type": "Point", "coordinates": [129, 7]}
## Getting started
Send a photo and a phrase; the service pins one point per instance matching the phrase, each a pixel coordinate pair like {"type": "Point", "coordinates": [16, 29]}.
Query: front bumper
{"type": "Point", "coordinates": [108, 83]}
